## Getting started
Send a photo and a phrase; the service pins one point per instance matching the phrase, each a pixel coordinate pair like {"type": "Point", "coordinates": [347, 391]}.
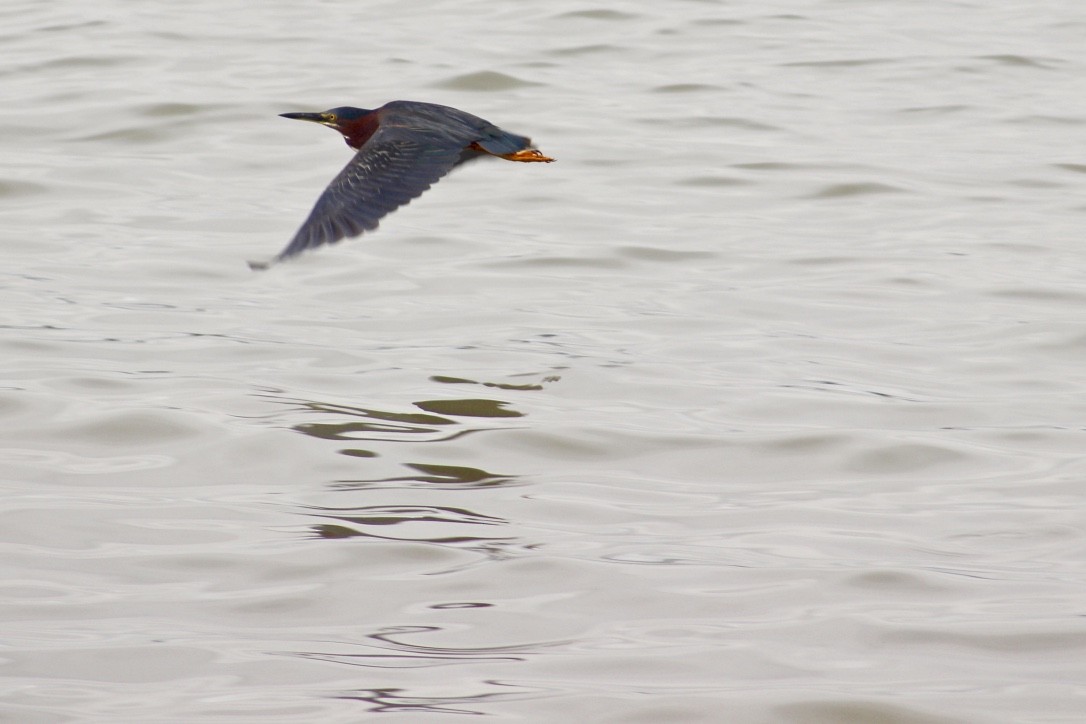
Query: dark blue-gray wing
{"type": "Point", "coordinates": [393, 167]}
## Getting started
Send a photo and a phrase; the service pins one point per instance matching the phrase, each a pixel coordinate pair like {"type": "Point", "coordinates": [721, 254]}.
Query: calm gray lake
{"type": "Point", "coordinates": [765, 403]}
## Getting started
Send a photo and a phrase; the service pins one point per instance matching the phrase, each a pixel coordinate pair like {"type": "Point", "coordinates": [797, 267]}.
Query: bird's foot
{"type": "Point", "coordinates": [528, 155]}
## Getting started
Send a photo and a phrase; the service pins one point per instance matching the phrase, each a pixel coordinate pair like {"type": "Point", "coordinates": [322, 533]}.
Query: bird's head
{"type": "Point", "coordinates": [338, 118]}
{"type": "Point", "coordinates": [356, 124]}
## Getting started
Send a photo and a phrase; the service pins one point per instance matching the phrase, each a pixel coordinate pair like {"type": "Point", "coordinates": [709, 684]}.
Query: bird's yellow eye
{"type": "Point", "coordinates": [329, 117]}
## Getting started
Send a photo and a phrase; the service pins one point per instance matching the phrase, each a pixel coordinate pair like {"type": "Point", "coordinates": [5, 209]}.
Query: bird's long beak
{"type": "Point", "coordinates": [314, 117]}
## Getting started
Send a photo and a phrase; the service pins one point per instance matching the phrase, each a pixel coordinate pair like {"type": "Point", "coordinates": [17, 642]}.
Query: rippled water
{"type": "Point", "coordinates": [764, 404]}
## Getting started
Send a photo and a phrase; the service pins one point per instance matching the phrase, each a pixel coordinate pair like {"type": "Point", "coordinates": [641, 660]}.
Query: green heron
{"type": "Point", "coordinates": [402, 148]}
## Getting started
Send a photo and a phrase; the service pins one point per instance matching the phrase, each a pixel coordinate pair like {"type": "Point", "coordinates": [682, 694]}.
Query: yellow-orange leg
{"type": "Point", "coordinates": [528, 155]}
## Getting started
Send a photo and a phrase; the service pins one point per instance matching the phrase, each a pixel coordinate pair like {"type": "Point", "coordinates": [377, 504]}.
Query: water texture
{"type": "Point", "coordinates": [765, 403]}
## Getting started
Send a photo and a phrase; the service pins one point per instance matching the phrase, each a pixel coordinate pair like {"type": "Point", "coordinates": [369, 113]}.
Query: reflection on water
{"type": "Point", "coordinates": [435, 477]}
{"type": "Point", "coordinates": [374, 431]}
{"type": "Point", "coordinates": [393, 652]}
{"type": "Point", "coordinates": [388, 515]}
{"type": "Point", "coordinates": [402, 700]}
{"type": "Point", "coordinates": [422, 523]}
{"type": "Point", "coordinates": [389, 651]}
{"type": "Point", "coordinates": [469, 408]}
{"type": "Point", "coordinates": [497, 385]}
{"type": "Point", "coordinates": [412, 422]}
{"type": "Point", "coordinates": [359, 520]}
{"type": "Point", "coordinates": [383, 426]}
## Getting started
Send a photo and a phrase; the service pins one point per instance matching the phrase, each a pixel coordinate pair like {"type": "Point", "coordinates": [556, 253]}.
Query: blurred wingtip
{"type": "Point", "coordinates": [260, 265]}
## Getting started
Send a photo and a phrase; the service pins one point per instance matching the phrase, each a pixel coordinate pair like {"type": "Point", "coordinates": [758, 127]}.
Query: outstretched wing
{"type": "Point", "coordinates": [394, 166]}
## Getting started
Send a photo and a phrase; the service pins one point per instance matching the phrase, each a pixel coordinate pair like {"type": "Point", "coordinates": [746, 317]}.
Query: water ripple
{"type": "Point", "coordinates": [484, 80]}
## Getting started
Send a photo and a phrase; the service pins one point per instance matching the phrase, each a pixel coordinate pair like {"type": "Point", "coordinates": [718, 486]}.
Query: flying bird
{"type": "Point", "coordinates": [402, 149]}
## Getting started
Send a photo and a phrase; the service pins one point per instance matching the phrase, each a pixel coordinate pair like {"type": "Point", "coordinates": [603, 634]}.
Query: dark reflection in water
{"type": "Point", "coordinates": [531, 387]}
{"type": "Point", "coordinates": [356, 452]}
{"type": "Point", "coordinates": [469, 408]}
{"type": "Point", "coordinates": [375, 424]}
{"type": "Point", "coordinates": [435, 477]}
{"type": "Point", "coordinates": [399, 701]}
{"type": "Point", "coordinates": [360, 522]}
{"type": "Point", "coordinates": [371, 424]}
{"type": "Point", "coordinates": [406, 660]}
{"type": "Point", "coordinates": [489, 549]}
{"type": "Point", "coordinates": [387, 650]}
{"type": "Point", "coordinates": [355, 522]}
{"type": "Point", "coordinates": [356, 423]}
{"type": "Point", "coordinates": [428, 524]}
{"type": "Point", "coordinates": [339, 531]}
{"type": "Point", "coordinates": [359, 430]}
{"type": "Point", "coordinates": [397, 514]}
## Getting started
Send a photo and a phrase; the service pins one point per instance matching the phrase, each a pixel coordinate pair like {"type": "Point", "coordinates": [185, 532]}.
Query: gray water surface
{"type": "Point", "coordinates": [765, 403]}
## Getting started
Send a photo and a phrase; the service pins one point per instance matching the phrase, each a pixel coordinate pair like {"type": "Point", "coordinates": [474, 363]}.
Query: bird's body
{"type": "Point", "coordinates": [402, 148]}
